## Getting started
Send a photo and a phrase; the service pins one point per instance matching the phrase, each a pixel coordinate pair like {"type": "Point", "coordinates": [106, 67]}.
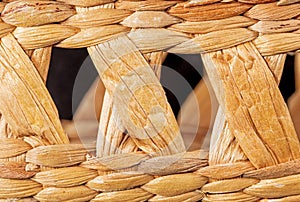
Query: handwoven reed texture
{"type": "Point", "coordinates": [140, 154]}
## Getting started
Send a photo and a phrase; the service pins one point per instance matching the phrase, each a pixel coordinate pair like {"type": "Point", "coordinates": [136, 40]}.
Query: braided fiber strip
{"type": "Point", "coordinates": [254, 152]}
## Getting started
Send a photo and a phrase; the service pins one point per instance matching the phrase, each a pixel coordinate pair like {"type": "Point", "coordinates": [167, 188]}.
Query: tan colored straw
{"type": "Point", "coordinates": [254, 149]}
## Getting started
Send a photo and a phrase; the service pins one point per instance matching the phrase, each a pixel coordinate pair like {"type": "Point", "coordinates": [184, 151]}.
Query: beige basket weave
{"type": "Point", "coordinates": [254, 151]}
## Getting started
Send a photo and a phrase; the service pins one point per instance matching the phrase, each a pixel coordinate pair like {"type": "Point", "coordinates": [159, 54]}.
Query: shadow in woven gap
{"type": "Point", "coordinates": [188, 67]}
{"type": "Point", "coordinates": [64, 67]}
{"type": "Point", "coordinates": [287, 83]}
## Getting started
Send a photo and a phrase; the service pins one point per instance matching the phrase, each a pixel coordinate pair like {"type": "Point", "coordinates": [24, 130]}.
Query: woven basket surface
{"type": "Point", "coordinates": [140, 155]}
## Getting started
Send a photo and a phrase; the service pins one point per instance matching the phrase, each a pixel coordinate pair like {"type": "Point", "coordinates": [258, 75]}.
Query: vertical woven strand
{"type": "Point", "coordinates": [112, 137]}
{"type": "Point", "coordinates": [138, 95]}
{"type": "Point", "coordinates": [263, 146]}
{"type": "Point", "coordinates": [41, 60]}
{"type": "Point", "coordinates": [31, 111]}
{"type": "Point", "coordinates": [224, 146]}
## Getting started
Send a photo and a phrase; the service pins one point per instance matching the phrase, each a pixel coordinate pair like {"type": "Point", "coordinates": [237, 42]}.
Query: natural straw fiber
{"type": "Point", "coordinates": [140, 153]}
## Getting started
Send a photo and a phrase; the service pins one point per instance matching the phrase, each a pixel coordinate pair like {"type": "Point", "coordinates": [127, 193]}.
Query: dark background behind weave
{"type": "Point", "coordinates": [66, 63]}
